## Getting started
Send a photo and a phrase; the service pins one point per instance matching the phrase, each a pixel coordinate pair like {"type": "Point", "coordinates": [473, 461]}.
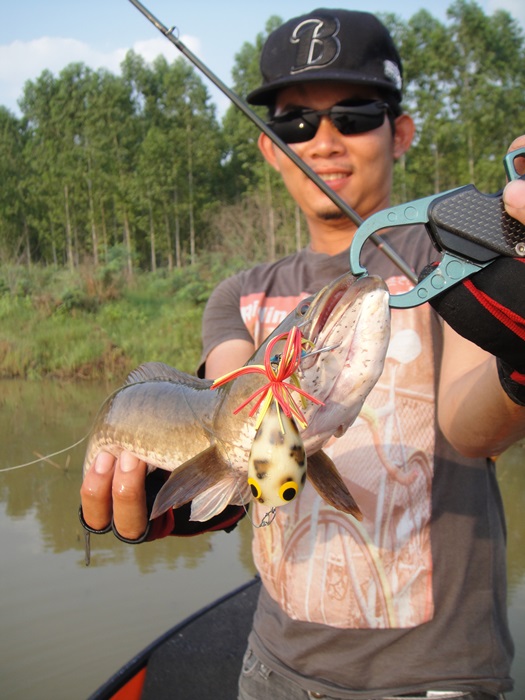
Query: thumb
{"type": "Point", "coordinates": [514, 199]}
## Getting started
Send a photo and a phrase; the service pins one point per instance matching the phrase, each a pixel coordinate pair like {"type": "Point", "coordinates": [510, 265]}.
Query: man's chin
{"type": "Point", "coordinates": [331, 215]}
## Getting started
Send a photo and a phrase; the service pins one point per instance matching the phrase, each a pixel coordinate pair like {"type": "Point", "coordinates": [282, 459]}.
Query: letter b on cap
{"type": "Point", "coordinates": [317, 41]}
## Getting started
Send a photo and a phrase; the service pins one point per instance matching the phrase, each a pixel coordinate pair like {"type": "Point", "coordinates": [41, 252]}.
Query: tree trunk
{"type": "Point", "coordinates": [104, 231]}
{"type": "Point", "coordinates": [190, 197]}
{"type": "Point", "coordinates": [152, 239]}
{"type": "Point", "coordinates": [127, 243]}
{"type": "Point", "coordinates": [168, 241]}
{"type": "Point", "coordinates": [69, 237]}
{"type": "Point", "coordinates": [28, 244]}
{"type": "Point", "coordinates": [94, 236]}
{"type": "Point", "coordinates": [177, 229]}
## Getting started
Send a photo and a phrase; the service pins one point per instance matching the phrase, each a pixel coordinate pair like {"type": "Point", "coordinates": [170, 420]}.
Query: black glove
{"type": "Point", "coordinates": [489, 310]}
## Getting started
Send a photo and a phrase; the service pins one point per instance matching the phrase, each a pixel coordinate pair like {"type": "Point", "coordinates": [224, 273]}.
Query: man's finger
{"type": "Point", "coordinates": [514, 198]}
{"type": "Point", "coordinates": [95, 492]}
{"type": "Point", "coordinates": [130, 515]}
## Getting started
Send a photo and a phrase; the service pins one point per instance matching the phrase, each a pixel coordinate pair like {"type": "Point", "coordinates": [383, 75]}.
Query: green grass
{"type": "Point", "coordinates": [93, 324]}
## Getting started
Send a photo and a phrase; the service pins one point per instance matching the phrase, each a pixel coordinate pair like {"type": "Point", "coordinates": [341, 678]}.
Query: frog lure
{"type": "Point", "coordinates": [277, 460]}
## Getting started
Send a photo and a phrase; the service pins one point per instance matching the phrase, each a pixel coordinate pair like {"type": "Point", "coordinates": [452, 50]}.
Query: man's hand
{"type": "Point", "coordinates": [489, 308]}
{"type": "Point", "coordinates": [113, 491]}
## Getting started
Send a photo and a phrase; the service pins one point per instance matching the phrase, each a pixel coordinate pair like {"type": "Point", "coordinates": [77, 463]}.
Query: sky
{"type": "Point", "coordinates": [49, 34]}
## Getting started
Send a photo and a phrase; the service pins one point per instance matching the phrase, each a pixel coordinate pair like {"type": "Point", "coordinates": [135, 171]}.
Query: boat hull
{"type": "Point", "coordinates": [201, 657]}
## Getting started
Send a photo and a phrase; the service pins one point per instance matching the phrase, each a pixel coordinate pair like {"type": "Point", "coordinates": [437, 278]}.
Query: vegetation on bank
{"type": "Point", "coordinates": [105, 177]}
{"type": "Point", "coordinates": [99, 324]}
{"type": "Point", "coordinates": [140, 159]}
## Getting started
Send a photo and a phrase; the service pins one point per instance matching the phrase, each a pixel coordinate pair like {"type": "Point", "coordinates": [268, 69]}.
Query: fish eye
{"type": "Point", "coordinates": [288, 491]}
{"type": "Point", "coordinates": [303, 308]}
{"type": "Point", "coordinates": [254, 487]}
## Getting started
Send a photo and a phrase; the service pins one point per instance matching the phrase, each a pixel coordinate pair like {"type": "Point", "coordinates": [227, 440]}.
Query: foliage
{"type": "Point", "coordinates": [105, 177]}
{"type": "Point", "coordinates": [464, 86]}
{"type": "Point", "coordinates": [69, 325]}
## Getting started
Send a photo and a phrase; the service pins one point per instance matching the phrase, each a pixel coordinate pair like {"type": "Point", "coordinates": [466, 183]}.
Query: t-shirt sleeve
{"type": "Point", "coordinates": [222, 319]}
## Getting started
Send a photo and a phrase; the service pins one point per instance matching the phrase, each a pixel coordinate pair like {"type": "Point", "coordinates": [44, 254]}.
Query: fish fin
{"type": "Point", "coordinates": [215, 499]}
{"type": "Point", "coordinates": [161, 372]}
{"type": "Point", "coordinates": [329, 484]}
{"type": "Point", "coordinates": [196, 475]}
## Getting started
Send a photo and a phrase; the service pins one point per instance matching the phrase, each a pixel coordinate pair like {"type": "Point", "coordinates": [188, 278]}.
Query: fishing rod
{"type": "Point", "coordinates": [284, 147]}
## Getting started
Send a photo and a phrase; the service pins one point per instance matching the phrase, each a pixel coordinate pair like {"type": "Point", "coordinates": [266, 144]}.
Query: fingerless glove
{"type": "Point", "coordinates": [489, 310]}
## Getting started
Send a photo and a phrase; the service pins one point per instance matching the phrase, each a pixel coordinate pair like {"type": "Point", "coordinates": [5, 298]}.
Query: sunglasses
{"type": "Point", "coordinates": [348, 117]}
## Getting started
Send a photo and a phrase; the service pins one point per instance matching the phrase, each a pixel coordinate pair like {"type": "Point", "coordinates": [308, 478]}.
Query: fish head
{"type": "Point", "coordinates": [347, 326]}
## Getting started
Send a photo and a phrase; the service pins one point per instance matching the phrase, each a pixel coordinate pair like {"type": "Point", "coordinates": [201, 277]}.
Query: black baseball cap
{"type": "Point", "coordinates": [343, 45]}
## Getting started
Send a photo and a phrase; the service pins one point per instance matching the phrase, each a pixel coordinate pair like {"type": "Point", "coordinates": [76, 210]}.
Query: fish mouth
{"type": "Point", "coordinates": [330, 304]}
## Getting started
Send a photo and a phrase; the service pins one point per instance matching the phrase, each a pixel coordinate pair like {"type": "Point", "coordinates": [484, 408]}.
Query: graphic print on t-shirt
{"type": "Point", "coordinates": [323, 566]}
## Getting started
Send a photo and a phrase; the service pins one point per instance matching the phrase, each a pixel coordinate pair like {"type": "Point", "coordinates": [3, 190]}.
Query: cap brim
{"type": "Point", "coordinates": [266, 94]}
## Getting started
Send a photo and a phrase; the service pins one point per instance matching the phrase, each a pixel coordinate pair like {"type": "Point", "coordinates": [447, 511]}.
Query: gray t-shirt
{"type": "Point", "coordinates": [414, 597]}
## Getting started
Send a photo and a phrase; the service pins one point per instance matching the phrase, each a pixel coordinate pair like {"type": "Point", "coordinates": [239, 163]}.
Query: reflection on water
{"type": "Point", "coordinates": [40, 418]}
{"type": "Point", "coordinates": [65, 627]}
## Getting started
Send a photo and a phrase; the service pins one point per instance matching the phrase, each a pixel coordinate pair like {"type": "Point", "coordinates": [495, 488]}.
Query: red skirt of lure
{"type": "Point", "coordinates": [277, 388]}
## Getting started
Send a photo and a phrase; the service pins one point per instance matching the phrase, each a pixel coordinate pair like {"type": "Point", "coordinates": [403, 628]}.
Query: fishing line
{"type": "Point", "coordinates": [69, 447]}
{"type": "Point", "coordinates": [276, 358]}
{"type": "Point", "coordinates": [45, 457]}
{"type": "Point", "coordinates": [86, 436]}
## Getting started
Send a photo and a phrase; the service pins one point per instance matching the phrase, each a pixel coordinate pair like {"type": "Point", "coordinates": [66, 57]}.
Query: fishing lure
{"type": "Point", "coordinates": [277, 461]}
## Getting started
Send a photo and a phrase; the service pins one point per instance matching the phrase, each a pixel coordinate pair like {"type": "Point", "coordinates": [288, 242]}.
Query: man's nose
{"type": "Point", "coordinates": [327, 137]}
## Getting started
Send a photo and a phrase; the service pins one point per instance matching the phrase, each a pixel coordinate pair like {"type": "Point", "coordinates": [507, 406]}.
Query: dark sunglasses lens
{"type": "Point", "coordinates": [296, 127]}
{"type": "Point", "coordinates": [302, 125]}
{"type": "Point", "coordinates": [358, 120]}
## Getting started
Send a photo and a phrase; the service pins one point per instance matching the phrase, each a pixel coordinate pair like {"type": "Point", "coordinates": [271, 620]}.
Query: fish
{"type": "Point", "coordinates": [177, 422]}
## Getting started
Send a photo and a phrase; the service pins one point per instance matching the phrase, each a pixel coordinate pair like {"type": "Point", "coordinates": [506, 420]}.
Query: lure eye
{"type": "Point", "coordinates": [288, 491]}
{"type": "Point", "coordinates": [255, 489]}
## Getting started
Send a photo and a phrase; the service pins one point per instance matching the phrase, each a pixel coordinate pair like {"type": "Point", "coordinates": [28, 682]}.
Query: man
{"type": "Point", "coordinates": [410, 602]}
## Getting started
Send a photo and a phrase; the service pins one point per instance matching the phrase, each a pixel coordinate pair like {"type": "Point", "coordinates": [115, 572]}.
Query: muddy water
{"type": "Point", "coordinates": [65, 627]}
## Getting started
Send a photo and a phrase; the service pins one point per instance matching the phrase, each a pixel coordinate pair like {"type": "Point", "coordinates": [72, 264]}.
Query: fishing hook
{"type": "Point", "coordinates": [275, 359]}
{"type": "Point", "coordinates": [268, 518]}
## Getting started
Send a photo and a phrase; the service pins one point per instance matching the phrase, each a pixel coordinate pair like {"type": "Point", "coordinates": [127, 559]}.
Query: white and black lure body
{"type": "Point", "coordinates": [277, 461]}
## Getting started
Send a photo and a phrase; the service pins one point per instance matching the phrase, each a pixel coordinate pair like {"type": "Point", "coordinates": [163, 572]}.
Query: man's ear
{"type": "Point", "coordinates": [404, 134]}
{"type": "Point", "coordinates": [268, 150]}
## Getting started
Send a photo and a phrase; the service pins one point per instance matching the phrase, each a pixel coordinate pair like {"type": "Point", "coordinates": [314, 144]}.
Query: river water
{"type": "Point", "coordinates": [67, 627]}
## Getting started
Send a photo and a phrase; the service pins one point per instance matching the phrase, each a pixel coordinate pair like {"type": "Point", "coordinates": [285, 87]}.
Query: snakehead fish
{"type": "Point", "coordinates": [175, 421]}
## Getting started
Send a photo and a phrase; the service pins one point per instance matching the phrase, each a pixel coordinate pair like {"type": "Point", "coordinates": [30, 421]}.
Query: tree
{"type": "Point", "coordinates": [486, 93]}
{"type": "Point", "coordinates": [244, 165]}
{"type": "Point", "coordinates": [140, 162]}
{"type": "Point", "coordinates": [14, 226]}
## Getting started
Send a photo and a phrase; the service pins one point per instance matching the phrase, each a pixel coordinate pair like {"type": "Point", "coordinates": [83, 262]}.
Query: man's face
{"type": "Point", "coordinates": [358, 167]}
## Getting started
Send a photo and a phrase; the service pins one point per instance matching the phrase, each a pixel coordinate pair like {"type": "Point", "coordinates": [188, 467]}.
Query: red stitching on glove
{"type": "Point", "coordinates": [511, 319]}
{"type": "Point", "coordinates": [518, 377]}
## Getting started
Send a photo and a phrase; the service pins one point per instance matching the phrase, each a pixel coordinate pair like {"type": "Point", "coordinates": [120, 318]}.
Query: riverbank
{"type": "Point", "coordinates": [99, 324]}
